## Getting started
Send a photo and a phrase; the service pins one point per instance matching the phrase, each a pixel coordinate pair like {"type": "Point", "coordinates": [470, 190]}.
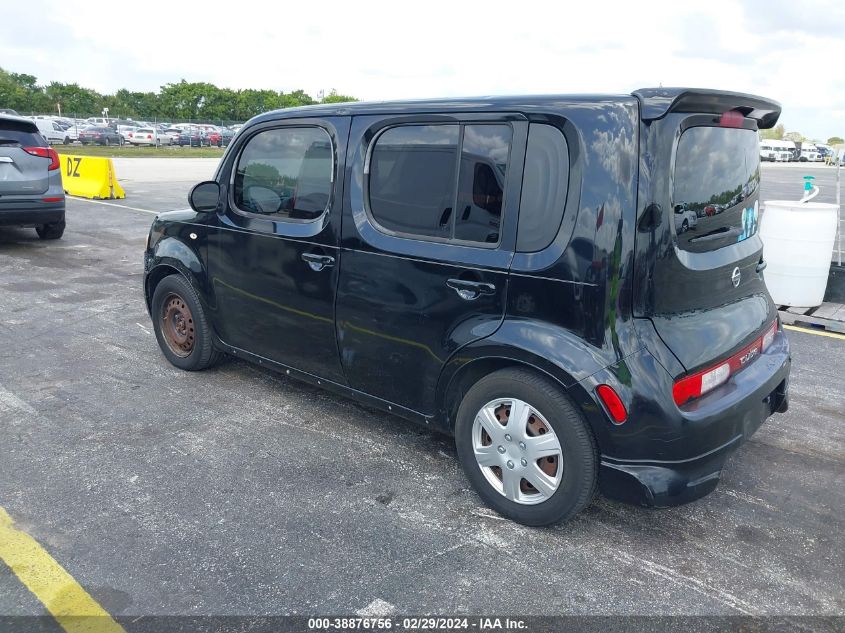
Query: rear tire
{"type": "Point", "coordinates": [572, 478]}
{"type": "Point", "coordinates": [51, 231]}
{"type": "Point", "coordinates": [181, 327]}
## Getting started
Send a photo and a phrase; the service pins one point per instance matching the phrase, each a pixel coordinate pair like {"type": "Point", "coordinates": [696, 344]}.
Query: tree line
{"type": "Point", "coordinates": [174, 101]}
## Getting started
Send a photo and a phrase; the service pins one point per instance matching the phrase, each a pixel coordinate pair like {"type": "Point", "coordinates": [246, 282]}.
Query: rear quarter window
{"type": "Point", "coordinates": [716, 187]}
{"type": "Point", "coordinates": [544, 185]}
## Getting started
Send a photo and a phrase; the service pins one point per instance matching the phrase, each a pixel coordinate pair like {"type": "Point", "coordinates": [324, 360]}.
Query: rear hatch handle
{"type": "Point", "coordinates": [717, 235]}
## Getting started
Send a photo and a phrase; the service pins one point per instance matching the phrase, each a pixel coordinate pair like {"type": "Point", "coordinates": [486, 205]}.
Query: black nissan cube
{"type": "Point", "coordinates": [508, 270]}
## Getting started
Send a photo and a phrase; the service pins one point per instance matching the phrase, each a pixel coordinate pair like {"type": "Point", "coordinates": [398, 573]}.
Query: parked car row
{"type": "Point", "coordinates": [103, 131]}
{"type": "Point", "coordinates": [199, 137]}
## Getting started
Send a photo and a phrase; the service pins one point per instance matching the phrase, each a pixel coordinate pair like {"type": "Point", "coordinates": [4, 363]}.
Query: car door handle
{"type": "Point", "coordinates": [318, 262]}
{"type": "Point", "coordinates": [470, 290]}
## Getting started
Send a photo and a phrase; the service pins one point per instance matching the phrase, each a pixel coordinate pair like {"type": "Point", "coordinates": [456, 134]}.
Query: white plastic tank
{"type": "Point", "coordinates": [797, 247]}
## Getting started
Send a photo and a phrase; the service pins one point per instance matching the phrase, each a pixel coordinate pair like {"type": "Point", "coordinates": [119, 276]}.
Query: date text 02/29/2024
{"type": "Point", "coordinates": [481, 624]}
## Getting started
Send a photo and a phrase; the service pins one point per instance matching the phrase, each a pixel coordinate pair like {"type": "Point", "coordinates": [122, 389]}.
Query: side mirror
{"type": "Point", "coordinates": [204, 197]}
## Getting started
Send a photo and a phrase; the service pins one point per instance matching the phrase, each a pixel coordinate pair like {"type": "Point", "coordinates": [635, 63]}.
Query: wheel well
{"type": "Point", "coordinates": [154, 278]}
{"type": "Point", "coordinates": [470, 374]}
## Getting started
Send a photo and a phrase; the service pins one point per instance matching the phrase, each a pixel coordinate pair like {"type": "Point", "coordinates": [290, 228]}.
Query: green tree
{"type": "Point", "coordinates": [835, 140]}
{"type": "Point", "coordinates": [125, 104]}
{"type": "Point", "coordinates": [295, 99]}
{"type": "Point", "coordinates": [174, 101]}
{"type": "Point", "coordinates": [74, 99]}
{"type": "Point", "coordinates": [20, 92]}
{"type": "Point", "coordinates": [775, 133]}
{"type": "Point", "coordinates": [333, 97]}
{"type": "Point", "coordinates": [184, 100]}
{"type": "Point", "coordinates": [794, 136]}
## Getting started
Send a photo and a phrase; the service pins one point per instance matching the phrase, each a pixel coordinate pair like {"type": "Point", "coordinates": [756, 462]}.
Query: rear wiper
{"type": "Point", "coordinates": [9, 141]}
{"type": "Point", "coordinates": [718, 234]}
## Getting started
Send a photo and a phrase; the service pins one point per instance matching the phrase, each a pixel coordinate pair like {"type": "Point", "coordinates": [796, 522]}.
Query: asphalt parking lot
{"type": "Point", "coordinates": [238, 491]}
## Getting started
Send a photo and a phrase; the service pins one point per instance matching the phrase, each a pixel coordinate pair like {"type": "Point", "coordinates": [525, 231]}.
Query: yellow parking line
{"type": "Point", "coordinates": [807, 330]}
{"type": "Point", "coordinates": [74, 609]}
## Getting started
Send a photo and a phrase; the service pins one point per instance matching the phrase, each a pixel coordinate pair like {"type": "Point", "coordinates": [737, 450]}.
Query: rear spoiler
{"type": "Point", "coordinates": [655, 103]}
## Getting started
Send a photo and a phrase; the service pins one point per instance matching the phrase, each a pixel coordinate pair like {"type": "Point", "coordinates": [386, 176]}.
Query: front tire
{"type": "Point", "coordinates": [180, 325]}
{"type": "Point", "coordinates": [525, 448]}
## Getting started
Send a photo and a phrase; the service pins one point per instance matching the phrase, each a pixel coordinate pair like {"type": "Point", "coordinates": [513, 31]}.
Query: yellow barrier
{"type": "Point", "coordinates": [90, 177]}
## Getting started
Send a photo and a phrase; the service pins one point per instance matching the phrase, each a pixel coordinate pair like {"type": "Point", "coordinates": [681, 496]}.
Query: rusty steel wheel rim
{"type": "Point", "coordinates": [517, 450]}
{"type": "Point", "coordinates": [177, 325]}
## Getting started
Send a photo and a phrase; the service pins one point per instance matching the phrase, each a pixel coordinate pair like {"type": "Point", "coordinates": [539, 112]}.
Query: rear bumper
{"type": "Point", "coordinates": [716, 424]}
{"type": "Point", "coordinates": [32, 214]}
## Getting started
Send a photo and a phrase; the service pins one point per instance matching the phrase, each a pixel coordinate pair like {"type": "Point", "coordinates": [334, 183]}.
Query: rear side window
{"type": "Point", "coordinates": [444, 182]}
{"type": "Point", "coordinates": [412, 179]}
{"type": "Point", "coordinates": [716, 187]}
{"type": "Point", "coordinates": [285, 174]}
{"type": "Point", "coordinates": [544, 186]}
{"type": "Point", "coordinates": [19, 133]}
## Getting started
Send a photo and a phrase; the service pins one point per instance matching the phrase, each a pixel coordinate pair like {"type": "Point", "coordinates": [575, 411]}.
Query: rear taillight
{"type": "Point", "coordinates": [700, 383]}
{"type": "Point", "coordinates": [45, 152]}
{"type": "Point", "coordinates": [149, 135]}
{"type": "Point", "coordinates": [769, 336]}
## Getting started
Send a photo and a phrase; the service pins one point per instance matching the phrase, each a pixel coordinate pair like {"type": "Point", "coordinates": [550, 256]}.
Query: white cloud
{"type": "Point", "coordinates": [390, 50]}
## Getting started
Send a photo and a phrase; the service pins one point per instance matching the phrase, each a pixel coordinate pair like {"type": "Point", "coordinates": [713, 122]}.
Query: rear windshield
{"type": "Point", "coordinates": [20, 133]}
{"type": "Point", "coordinates": [716, 187]}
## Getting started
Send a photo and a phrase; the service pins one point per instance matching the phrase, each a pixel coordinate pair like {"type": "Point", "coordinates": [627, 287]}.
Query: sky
{"type": "Point", "coordinates": [790, 51]}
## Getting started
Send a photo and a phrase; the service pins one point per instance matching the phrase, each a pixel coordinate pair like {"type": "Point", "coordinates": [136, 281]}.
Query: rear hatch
{"type": "Point", "coordinates": [705, 294]}
{"type": "Point", "coordinates": [21, 173]}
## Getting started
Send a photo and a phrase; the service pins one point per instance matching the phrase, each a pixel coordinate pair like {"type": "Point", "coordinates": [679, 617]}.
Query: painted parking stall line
{"type": "Point", "coordinates": [72, 607]}
{"type": "Point", "coordinates": [114, 204]}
